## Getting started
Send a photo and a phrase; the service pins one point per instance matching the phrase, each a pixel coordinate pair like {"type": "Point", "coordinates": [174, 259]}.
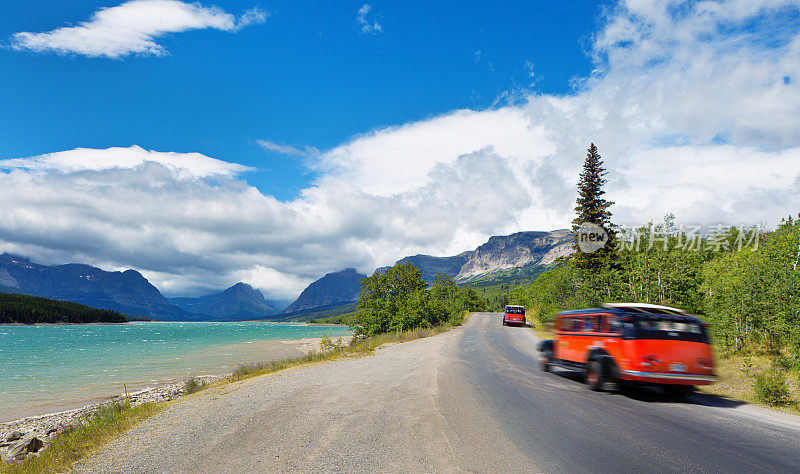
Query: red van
{"type": "Point", "coordinates": [632, 343]}
{"type": "Point", "coordinates": [514, 315]}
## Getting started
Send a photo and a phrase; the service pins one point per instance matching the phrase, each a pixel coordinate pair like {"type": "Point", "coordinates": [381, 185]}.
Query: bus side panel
{"type": "Point", "coordinates": [572, 347]}
{"type": "Point", "coordinates": [564, 347]}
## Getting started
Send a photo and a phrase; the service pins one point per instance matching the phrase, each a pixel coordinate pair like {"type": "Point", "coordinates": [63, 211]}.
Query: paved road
{"type": "Point", "coordinates": [472, 399]}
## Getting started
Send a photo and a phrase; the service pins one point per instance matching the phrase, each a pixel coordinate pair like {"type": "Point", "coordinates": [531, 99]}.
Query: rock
{"type": "Point", "coordinates": [50, 431]}
{"type": "Point", "coordinates": [28, 444]}
{"type": "Point", "coordinates": [15, 435]}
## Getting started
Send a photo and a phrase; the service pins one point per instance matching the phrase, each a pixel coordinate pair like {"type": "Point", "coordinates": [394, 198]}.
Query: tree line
{"type": "Point", "coordinates": [26, 309]}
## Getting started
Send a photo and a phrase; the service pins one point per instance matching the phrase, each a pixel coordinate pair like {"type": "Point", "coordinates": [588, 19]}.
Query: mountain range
{"type": "Point", "coordinates": [503, 259]}
{"type": "Point", "coordinates": [516, 254]}
{"type": "Point", "coordinates": [127, 292]}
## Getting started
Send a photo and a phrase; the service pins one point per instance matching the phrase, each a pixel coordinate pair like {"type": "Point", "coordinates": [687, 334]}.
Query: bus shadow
{"type": "Point", "coordinates": [653, 394]}
{"type": "Point", "coordinates": [525, 325]}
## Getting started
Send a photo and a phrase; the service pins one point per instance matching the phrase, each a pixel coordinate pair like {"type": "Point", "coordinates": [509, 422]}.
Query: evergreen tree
{"type": "Point", "coordinates": [593, 208]}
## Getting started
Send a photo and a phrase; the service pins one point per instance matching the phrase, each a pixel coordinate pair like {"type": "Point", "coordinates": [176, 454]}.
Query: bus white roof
{"type": "Point", "coordinates": [643, 306]}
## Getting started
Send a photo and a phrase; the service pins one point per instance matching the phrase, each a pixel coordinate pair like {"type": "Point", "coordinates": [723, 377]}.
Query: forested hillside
{"type": "Point", "coordinates": [25, 309]}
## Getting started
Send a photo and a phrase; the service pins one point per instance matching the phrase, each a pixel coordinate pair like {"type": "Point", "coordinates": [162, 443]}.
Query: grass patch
{"type": "Point", "coordinates": [83, 439]}
{"type": "Point", "coordinates": [334, 349]}
{"type": "Point", "coordinates": [739, 380]}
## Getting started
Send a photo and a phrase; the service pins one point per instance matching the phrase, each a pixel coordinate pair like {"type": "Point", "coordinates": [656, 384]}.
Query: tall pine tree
{"type": "Point", "coordinates": [593, 208]}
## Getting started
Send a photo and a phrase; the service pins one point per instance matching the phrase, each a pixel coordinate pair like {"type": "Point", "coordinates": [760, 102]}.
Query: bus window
{"type": "Point", "coordinates": [588, 323]}
{"type": "Point", "coordinates": [604, 323]}
{"type": "Point", "coordinates": [614, 324]}
{"type": "Point", "coordinates": [569, 323]}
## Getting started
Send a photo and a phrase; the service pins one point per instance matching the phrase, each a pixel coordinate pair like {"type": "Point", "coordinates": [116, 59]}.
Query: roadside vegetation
{"type": "Point", "coordinates": [744, 282]}
{"type": "Point", "coordinates": [334, 349]}
{"type": "Point", "coordinates": [83, 439]}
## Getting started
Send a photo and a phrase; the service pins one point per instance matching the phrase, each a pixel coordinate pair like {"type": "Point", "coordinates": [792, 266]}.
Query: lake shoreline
{"type": "Point", "coordinates": [48, 425]}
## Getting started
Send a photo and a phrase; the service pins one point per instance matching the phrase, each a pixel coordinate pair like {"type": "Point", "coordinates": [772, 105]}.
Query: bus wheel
{"type": "Point", "coordinates": [544, 360]}
{"type": "Point", "coordinates": [594, 375]}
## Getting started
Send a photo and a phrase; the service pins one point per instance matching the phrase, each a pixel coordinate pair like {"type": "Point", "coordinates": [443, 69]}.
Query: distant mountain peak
{"type": "Point", "coordinates": [11, 256]}
{"type": "Point", "coordinates": [518, 250]}
{"type": "Point", "coordinates": [342, 286]}
{"type": "Point", "coordinates": [236, 303]}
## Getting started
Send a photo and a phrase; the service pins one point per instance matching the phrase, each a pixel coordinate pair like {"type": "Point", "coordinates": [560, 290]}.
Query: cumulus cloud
{"type": "Point", "coordinates": [366, 25]}
{"type": "Point", "coordinates": [689, 105]}
{"type": "Point", "coordinates": [83, 159]}
{"type": "Point", "coordinates": [132, 28]}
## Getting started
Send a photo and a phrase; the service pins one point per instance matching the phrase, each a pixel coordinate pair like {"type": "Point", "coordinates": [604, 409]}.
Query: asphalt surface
{"type": "Point", "coordinates": [472, 399]}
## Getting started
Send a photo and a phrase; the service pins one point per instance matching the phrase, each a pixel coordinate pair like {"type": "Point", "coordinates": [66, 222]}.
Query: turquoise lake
{"type": "Point", "coordinates": [49, 368]}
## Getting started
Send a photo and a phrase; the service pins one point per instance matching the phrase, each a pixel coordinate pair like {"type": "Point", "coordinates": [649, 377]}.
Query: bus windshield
{"type": "Point", "coordinates": [515, 310]}
{"type": "Point", "coordinates": [655, 327]}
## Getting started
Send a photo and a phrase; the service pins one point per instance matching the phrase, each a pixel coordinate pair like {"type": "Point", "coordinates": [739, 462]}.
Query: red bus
{"type": "Point", "coordinates": [514, 315]}
{"type": "Point", "coordinates": [632, 343]}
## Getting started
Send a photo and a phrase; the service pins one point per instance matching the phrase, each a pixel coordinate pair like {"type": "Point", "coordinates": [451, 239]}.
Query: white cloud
{"type": "Point", "coordinates": [252, 16]}
{"type": "Point", "coordinates": [690, 111]}
{"type": "Point", "coordinates": [394, 159]}
{"type": "Point", "coordinates": [132, 28]}
{"type": "Point", "coordinates": [364, 23]}
{"type": "Point", "coordinates": [183, 165]}
{"type": "Point", "coordinates": [289, 150]}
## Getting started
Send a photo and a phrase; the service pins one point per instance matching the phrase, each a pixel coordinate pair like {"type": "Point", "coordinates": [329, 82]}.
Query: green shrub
{"type": "Point", "coordinates": [786, 363]}
{"type": "Point", "coordinates": [329, 345]}
{"type": "Point", "coordinates": [771, 388]}
{"type": "Point", "coordinates": [194, 385]}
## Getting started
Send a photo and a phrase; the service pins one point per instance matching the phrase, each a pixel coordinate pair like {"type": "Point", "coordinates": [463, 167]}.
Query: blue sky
{"type": "Point", "coordinates": [308, 76]}
{"type": "Point", "coordinates": [209, 143]}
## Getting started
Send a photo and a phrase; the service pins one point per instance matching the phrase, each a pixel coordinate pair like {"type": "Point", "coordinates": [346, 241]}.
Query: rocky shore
{"type": "Point", "coordinates": [28, 436]}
